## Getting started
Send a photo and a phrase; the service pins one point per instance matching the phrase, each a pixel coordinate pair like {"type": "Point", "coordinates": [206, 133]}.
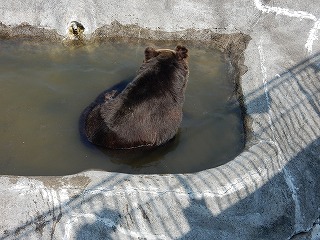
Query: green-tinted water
{"type": "Point", "coordinates": [44, 89]}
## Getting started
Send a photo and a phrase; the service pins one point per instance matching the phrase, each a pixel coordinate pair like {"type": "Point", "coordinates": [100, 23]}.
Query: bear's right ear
{"type": "Point", "coordinates": [149, 53]}
{"type": "Point", "coordinates": [182, 52]}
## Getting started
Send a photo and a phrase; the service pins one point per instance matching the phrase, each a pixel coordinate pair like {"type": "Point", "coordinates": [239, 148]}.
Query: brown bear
{"type": "Point", "coordinates": [148, 112]}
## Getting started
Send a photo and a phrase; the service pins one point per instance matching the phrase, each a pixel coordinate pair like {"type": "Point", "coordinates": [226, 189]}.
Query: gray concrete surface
{"type": "Point", "coordinates": [270, 191]}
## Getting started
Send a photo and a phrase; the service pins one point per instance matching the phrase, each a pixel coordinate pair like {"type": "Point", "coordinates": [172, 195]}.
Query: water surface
{"type": "Point", "coordinates": [44, 89]}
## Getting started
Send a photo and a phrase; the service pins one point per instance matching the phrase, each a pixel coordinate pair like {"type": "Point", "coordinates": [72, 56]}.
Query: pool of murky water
{"type": "Point", "coordinates": [45, 87]}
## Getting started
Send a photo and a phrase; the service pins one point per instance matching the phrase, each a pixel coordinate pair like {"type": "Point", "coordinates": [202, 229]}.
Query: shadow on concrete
{"type": "Point", "coordinates": [270, 191]}
{"type": "Point", "coordinates": [103, 225]}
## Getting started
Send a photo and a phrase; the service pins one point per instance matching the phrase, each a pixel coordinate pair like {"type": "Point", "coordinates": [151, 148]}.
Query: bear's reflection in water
{"type": "Point", "coordinates": [140, 158]}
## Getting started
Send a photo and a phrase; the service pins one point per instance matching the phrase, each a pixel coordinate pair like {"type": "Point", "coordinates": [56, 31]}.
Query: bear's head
{"type": "Point", "coordinates": [180, 53]}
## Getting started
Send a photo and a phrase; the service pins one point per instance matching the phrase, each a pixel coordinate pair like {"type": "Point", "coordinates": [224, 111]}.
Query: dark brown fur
{"type": "Point", "coordinates": [148, 112]}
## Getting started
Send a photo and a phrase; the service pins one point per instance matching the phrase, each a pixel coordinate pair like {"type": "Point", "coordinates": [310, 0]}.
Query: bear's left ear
{"type": "Point", "coordinates": [182, 52]}
{"type": "Point", "coordinates": [149, 53]}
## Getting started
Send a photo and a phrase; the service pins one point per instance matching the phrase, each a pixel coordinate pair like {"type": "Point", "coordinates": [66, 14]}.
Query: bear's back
{"type": "Point", "coordinates": [150, 108]}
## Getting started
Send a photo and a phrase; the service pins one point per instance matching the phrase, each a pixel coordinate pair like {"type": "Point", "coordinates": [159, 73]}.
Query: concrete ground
{"type": "Point", "coordinates": [270, 191]}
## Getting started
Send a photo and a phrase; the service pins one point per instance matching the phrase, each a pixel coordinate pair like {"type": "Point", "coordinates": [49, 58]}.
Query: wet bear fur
{"type": "Point", "coordinates": [148, 112]}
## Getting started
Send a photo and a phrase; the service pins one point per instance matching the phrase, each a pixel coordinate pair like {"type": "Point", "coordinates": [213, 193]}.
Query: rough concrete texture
{"type": "Point", "coordinates": [270, 191]}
